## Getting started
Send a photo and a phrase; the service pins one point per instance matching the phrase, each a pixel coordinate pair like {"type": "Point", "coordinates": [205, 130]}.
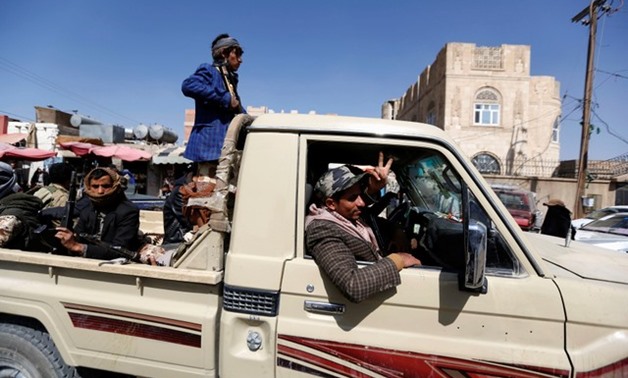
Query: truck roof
{"type": "Point", "coordinates": [347, 125]}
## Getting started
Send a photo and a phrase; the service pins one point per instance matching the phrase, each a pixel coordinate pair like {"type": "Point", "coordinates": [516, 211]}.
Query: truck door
{"type": "Point", "coordinates": [426, 326]}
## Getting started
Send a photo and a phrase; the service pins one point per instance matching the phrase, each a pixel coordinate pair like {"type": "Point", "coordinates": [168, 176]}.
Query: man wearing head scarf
{"type": "Point", "coordinates": [337, 238]}
{"type": "Point", "coordinates": [214, 90]}
{"type": "Point", "coordinates": [109, 216]}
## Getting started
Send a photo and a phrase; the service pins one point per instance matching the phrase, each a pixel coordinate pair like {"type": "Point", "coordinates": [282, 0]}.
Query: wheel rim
{"type": "Point", "coordinates": [9, 370]}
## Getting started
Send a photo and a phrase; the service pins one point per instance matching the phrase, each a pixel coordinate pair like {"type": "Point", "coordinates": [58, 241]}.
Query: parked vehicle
{"type": "Point", "coordinates": [597, 214]}
{"type": "Point", "coordinates": [521, 204]}
{"type": "Point", "coordinates": [610, 231]}
{"type": "Point", "coordinates": [245, 299]}
{"type": "Point", "coordinates": [146, 202]}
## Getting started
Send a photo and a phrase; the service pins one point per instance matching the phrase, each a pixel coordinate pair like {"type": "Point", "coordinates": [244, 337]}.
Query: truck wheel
{"type": "Point", "coordinates": [28, 353]}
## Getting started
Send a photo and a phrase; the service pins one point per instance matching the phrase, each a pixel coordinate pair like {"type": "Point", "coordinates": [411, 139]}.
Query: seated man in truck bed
{"type": "Point", "coordinates": [109, 216]}
{"type": "Point", "coordinates": [57, 192]}
{"type": "Point", "coordinates": [336, 236]}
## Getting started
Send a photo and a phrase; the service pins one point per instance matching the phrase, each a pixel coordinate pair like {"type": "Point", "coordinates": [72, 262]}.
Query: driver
{"type": "Point", "coordinates": [337, 237]}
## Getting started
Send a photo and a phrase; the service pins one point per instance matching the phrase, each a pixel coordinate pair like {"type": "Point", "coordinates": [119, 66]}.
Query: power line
{"type": "Point", "coordinates": [544, 115]}
{"type": "Point", "coordinates": [608, 128]}
{"type": "Point", "coordinates": [17, 115]}
{"type": "Point", "coordinates": [613, 74]}
{"type": "Point", "coordinates": [36, 79]}
{"type": "Point", "coordinates": [588, 16]}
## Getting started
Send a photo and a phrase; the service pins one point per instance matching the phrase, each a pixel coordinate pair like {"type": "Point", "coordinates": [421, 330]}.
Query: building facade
{"type": "Point", "coordinates": [505, 120]}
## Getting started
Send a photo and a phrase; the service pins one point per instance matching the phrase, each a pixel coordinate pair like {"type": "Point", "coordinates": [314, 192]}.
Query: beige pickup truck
{"type": "Point", "coordinates": [245, 299]}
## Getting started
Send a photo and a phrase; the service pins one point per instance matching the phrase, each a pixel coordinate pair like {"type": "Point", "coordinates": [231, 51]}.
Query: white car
{"type": "Point", "coordinates": [610, 232]}
{"type": "Point", "coordinates": [597, 214]}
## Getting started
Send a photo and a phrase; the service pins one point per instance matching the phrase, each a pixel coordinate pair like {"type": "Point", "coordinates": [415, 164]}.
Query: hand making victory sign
{"type": "Point", "coordinates": [379, 174]}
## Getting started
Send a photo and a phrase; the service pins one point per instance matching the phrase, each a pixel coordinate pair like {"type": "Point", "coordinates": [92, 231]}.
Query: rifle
{"type": "Point", "coordinates": [68, 213]}
{"type": "Point", "coordinates": [46, 232]}
{"type": "Point", "coordinates": [225, 76]}
{"type": "Point", "coordinates": [119, 250]}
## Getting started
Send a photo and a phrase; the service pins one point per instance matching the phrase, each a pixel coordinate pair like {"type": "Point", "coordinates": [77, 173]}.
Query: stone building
{"type": "Point", "coordinates": [505, 120]}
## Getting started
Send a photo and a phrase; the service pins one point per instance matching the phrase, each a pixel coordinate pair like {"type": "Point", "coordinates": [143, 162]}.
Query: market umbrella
{"type": "Point", "coordinates": [121, 152]}
{"type": "Point", "coordinates": [114, 151]}
{"type": "Point", "coordinates": [8, 151]}
{"type": "Point", "coordinates": [78, 148]}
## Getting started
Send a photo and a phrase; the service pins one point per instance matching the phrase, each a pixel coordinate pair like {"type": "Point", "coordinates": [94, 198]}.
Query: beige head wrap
{"type": "Point", "coordinates": [108, 197]}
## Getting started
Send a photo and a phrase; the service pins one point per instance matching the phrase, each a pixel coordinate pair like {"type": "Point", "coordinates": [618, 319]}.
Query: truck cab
{"type": "Point", "coordinates": [512, 319]}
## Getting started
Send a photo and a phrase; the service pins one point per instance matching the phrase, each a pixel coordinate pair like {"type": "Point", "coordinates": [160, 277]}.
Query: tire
{"type": "Point", "coordinates": [29, 353]}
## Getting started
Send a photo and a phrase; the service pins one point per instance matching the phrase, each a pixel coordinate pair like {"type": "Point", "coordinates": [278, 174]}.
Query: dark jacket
{"type": "Point", "coordinates": [35, 178]}
{"type": "Point", "coordinates": [336, 252]}
{"type": "Point", "coordinates": [213, 111]}
{"type": "Point", "coordinates": [175, 225]}
{"type": "Point", "coordinates": [26, 208]}
{"type": "Point", "coordinates": [120, 228]}
{"type": "Point", "coordinates": [557, 222]}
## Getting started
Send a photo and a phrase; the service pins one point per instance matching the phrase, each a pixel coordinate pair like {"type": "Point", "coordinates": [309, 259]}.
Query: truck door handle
{"type": "Point", "coordinates": [324, 308]}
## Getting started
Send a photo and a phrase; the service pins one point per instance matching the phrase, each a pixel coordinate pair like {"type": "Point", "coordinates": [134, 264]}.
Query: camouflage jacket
{"type": "Point", "coordinates": [53, 195]}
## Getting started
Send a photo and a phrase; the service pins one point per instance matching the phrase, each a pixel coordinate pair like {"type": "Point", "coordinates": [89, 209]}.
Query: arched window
{"type": "Point", "coordinates": [486, 163]}
{"type": "Point", "coordinates": [486, 108]}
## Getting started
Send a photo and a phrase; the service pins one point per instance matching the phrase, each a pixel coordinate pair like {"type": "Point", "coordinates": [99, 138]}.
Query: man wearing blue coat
{"type": "Point", "coordinates": [214, 90]}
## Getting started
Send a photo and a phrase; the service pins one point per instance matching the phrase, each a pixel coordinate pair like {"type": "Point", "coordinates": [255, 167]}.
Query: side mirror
{"type": "Point", "coordinates": [475, 246]}
{"type": "Point", "coordinates": [475, 258]}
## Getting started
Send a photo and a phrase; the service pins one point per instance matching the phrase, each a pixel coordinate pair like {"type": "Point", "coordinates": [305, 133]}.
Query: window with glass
{"type": "Point", "coordinates": [486, 108]}
{"type": "Point", "coordinates": [486, 163]}
{"type": "Point", "coordinates": [430, 118]}
{"type": "Point", "coordinates": [555, 130]}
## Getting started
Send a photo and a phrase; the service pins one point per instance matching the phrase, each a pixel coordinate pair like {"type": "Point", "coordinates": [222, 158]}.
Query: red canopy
{"type": "Point", "coordinates": [125, 153]}
{"type": "Point", "coordinates": [8, 151]}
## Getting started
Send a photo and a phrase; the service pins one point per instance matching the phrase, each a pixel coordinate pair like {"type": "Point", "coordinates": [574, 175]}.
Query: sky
{"type": "Point", "coordinates": [122, 61]}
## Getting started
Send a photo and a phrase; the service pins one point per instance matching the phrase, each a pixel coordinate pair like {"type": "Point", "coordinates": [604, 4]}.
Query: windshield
{"type": "Point", "coordinates": [431, 185]}
{"type": "Point", "coordinates": [514, 201]}
{"type": "Point", "coordinates": [612, 224]}
{"type": "Point", "coordinates": [597, 214]}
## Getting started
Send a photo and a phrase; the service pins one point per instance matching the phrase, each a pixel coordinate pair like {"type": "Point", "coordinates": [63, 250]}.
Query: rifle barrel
{"type": "Point", "coordinates": [68, 216]}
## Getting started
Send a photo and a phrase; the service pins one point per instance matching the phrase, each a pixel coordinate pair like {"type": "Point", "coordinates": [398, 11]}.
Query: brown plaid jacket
{"type": "Point", "coordinates": [336, 252]}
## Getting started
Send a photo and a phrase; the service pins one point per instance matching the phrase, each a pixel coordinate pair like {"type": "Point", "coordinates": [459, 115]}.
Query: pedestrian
{"type": "Point", "coordinates": [557, 221]}
{"type": "Point", "coordinates": [214, 90]}
{"type": "Point", "coordinates": [40, 178]}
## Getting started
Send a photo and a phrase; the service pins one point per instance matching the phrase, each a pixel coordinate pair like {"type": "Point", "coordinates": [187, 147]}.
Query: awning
{"type": "Point", "coordinates": [171, 155]}
{"type": "Point", "coordinates": [10, 152]}
{"type": "Point", "coordinates": [121, 152]}
{"type": "Point", "coordinates": [12, 138]}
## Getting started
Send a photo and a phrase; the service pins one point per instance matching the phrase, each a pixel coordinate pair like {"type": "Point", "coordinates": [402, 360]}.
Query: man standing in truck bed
{"type": "Point", "coordinates": [336, 236]}
{"type": "Point", "coordinates": [214, 90]}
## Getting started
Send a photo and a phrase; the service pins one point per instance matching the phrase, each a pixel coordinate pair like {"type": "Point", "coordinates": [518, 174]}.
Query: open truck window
{"type": "Point", "coordinates": [420, 211]}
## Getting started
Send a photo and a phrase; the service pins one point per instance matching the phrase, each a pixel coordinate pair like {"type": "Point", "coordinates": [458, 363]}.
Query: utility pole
{"type": "Point", "coordinates": [592, 12]}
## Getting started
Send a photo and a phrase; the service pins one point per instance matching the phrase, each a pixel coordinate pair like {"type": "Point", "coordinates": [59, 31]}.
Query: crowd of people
{"type": "Point", "coordinates": [103, 213]}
